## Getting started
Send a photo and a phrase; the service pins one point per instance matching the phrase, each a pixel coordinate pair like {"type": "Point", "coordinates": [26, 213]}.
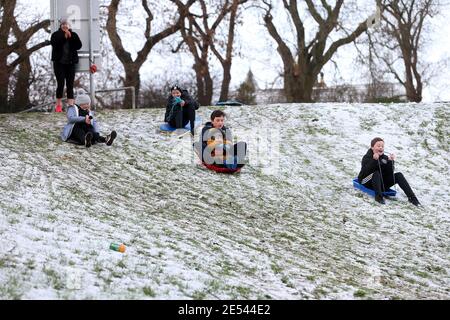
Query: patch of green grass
{"type": "Point", "coordinates": [11, 289]}
{"type": "Point", "coordinates": [442, 132]}
{"type": "Point", "coordinates": [227, 268]}
{"type": "Point", "coordinates": [199, 295]}
{"type": "Point", "coordinates": [121, 264]}
{"type": "Point", "coordinates": [52, 217]}
{"type": "Point", "coordinates": [422, 274]}
{"type": "Point", "coordinates": [319, 293]}
{"type": "Point", "coordinates": [213, 286]}
{"type": "Point", "coordinates": [251, 272]}
{"type": "Point", "coordinates": [116, 274]}
{"type": "Point", "coordinates": [54, 277]}
{"type": "Point", "coordinates": [424, 124]}
{"type": "Point", "coordinates": [175, 281]}
{"type": "Point", "coordinates": [276, 268]}
{"type": "Point", "coordinates": [286, 281]}
{"type": "Point", "coordinates": [97, 267]}
{"type": "Point", "coordinates": [148, 291]}
{"type": "Point", "coordinates": [2, 262]}
{"type": "Point", "coordinates": [367, 124]}
{"type": "Point", "coordinates": [286, 236]}
{"type": "Point", "coordinates": [30, 264]}
{"type": "Point", "coordinates": [13, 220]}
{"type": "Point", "coordinates": [244, 292]}
{"type": "Point", "coordinates": [359, 293]}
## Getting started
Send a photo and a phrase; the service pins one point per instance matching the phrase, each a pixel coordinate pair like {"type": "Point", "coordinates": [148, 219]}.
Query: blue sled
{"type": "Point", "coordinates": [388, 193]}
{"type": "Point", "coordinates": [168, 128]}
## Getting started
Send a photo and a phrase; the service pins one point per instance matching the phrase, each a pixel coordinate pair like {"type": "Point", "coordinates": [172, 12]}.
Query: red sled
{"type": "Point", "coordinates": [214, 167]}
{"type": "Point", "coordinates": [221, 169]}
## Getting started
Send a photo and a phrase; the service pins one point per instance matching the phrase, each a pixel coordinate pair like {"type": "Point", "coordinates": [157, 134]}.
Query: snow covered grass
{"type": "Point", "coordinates": [296, 231]}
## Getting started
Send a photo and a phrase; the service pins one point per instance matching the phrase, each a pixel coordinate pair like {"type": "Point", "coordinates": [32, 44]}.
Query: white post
{"type": "Point", "coordinates": [55, 15]}
{"type": "Point", "coordinates": [91, 56]}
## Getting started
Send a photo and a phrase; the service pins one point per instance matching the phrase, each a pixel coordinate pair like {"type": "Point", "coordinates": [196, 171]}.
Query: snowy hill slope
{"type": "Point", "coordinates": [291, 227]}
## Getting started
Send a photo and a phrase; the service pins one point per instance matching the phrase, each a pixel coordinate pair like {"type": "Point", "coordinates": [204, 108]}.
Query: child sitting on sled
{"type": "Point", "coordinates": [180, 109]}
{"type": "Point", "coordinates": [377, 173]}
{"type": "Point", "coordinates": [217, 147]}
{"type": "Point", "coordinates": [82, 127]}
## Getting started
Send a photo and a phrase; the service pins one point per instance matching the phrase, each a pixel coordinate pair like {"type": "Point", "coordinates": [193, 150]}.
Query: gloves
{"type": "Point", "coordinates": [177, 100]}
{"type": "Point", "coordinates": [93, 68]}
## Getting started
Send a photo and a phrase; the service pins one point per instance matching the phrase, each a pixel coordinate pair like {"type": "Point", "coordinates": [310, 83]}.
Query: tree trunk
{"type": "Point", "coordinates": [298, 86]}
{"type": "Point", "coordinates": [21, 98]}
{"type": "Point", "coordinates": [227, 60]}
{"type": "Point", "coordinates": [4, 81]}
{"type": "Point", "coordinates": [204, 83]}
{"type": "Point", "coordinates": [17, 45]}
{"type": "Point", "coordinates": [225, 88]}
{"type": "Point", "coordinates": [6, 22]}
{"type": "Point", "coordinates": [413, 94]}
{"type": "Point", "coordinates": [132, 79]}
{"type": "Point", "coordinates": [413, 91]}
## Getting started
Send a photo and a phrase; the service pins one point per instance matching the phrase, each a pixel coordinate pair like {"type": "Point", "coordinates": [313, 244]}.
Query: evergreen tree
{"type": "Point", "coordinates": [246, 91]}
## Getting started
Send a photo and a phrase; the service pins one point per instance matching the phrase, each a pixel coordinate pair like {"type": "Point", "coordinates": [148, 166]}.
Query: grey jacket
{"type": "Point", "coordinates": [72, 118]}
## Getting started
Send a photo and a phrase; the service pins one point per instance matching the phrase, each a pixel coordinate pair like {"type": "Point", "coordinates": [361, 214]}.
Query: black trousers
{"type": "Point", "coordinates": [65, 75]}
{"type": "Point", "coordinates": [239, 154]}
{"type": "Point", "coordinates": [182, 116]}
{"type": "Point", "coordinates": [79, 132]}
{"type": "Point", "coordinates": [240, 151]}
{"type": "Point", "coordinates": [381, 183]}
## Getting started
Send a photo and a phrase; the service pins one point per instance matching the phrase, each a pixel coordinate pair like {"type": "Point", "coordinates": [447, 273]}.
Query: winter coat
{"type": "Point", "coordinates": [209, 133]}
{"type": "Point", "coordinates": [58, 40]}
{"type": "Point", "coordinates": [369, 165]}
{"type": "Point", "coordinates": [72, 118]}
{"type": "Point", "coordinates": [173, 101]}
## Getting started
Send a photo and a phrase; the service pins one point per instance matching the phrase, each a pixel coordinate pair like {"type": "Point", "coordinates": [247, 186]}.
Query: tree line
{"type": "Point", "coordinates": [390, 41]}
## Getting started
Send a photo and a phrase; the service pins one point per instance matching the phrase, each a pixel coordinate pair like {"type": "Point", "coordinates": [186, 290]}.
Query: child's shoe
{"type": "Point", "coordinates": [88, 140]}
{"type": "Point", "coordinates": [414, 201]}
{"type": "Point", "coordinates": [110, 138]}
{"type": "Point", "coordinates": [379, 199]}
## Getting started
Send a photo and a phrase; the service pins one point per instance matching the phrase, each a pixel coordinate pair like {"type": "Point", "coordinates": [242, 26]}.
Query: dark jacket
{"type": "Point", "coordinates": [369, 165]}
{"type": "Point", "coordinates": [171, 103]}
{"type": "Point", "coordinates": [208, 136]}
{"type": "Point", "coordinates": [58, 40]}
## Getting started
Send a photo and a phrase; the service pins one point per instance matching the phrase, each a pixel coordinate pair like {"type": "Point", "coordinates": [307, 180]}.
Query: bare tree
{"type": "Point", "coordinates": [226, 58]}
{"type": "Point", "coordinates": [302, 66]}
{"type": "Point", "coordinates": [198, 43]}
{"type": "Point", "coordinates": [10, 45]}
{"type": "Point", "coordinates": [199, 34]}
{"type": "Point", "coordinates": [132, 67]}
{"type": "Point", "coordinates": [402, 33]}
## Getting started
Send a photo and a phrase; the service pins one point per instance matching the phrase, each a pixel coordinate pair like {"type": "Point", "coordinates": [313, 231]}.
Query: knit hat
{"type": "Point", "coordinates": [175, 87]}
{"type": "Point", "coordinates": [82, 98]}
{"type": "Point", "coordinates": [63, 20]}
